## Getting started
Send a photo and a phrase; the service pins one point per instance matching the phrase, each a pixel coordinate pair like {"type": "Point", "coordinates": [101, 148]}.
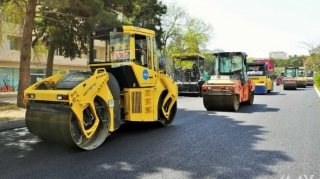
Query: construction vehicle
{"type": "Point", "coordinates": [290, 78]}
{"type": "Point", "coordinates": [270, 64]}
{"type": "Point", "coordinates": [301, 78]}
{"type": "Point", "coordinates": [310, 79]}
{"type": "Point", "coordinates": [230, 84]}
{"type": "Point", "coordinates": [188, 70]}
{"type": "Point", "coordinates": [125, 83]}
{"type": "Point", "coordinates": [258, 73]}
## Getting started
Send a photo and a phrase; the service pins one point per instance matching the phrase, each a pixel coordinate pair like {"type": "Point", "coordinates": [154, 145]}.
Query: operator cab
{"type": "Point", "coordinates": [231, 64]}
{"type": "Point", "coordinates": [257, 69]}
{"type": "Point", "coordinates": [301, 72]}
{"type": "Point", "coordinates": [127, 52]}
{"type": "Point", "coordinates": [309, 73]}
{"type": "Point", "coordinates": [188, 67]}
{"type": "Point", "coordinates": [290, 72]}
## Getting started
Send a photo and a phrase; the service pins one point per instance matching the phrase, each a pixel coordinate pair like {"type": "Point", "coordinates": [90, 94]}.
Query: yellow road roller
{"type": "Point", "coordinates": [127, 82]}
{"type": "Point", "coordinates": [230, 85]}
{"type": "Point", "coordinates": [258, 73]}
{"type": "Point", "coordinates": [310, 79]}
{"type": "Point", "coordinates": [301, 78]}
{"type": "Point", "coordinates": [290, 78]}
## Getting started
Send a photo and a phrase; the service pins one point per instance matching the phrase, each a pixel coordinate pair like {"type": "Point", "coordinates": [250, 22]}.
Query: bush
{"type": "Point", "coordinates": [317, 80]}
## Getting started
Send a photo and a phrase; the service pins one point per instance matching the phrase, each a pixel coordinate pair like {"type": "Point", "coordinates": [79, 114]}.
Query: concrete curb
{"type": "Point", "coordinates": [318, 92]}
{"type": "Point", "coordinates": [12, 124]}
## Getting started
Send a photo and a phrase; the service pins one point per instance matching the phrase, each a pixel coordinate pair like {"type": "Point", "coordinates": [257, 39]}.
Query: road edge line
{"type": "Point", "coordinates": [317, 90]}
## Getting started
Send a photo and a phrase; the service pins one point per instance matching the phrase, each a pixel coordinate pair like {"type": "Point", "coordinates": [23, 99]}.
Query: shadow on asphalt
{"type": "Point", "coordinates": [254, 108]}
{"type": "Point", "coordinates": [274, 93]}
{"type": "Point", "coordinates": [199, 144]}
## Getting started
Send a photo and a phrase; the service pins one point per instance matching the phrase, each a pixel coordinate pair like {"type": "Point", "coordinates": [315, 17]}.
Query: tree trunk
{"type": "Point", "coordinates": [50, 61]}
{"type": "Point", "coordinates": [24, 72]}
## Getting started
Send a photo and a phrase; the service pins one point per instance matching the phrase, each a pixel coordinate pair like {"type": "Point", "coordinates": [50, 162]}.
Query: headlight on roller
{"type": "Point", "coordinates": [62, 97]}
{"type": "Point", "coordinates": [31, 95]}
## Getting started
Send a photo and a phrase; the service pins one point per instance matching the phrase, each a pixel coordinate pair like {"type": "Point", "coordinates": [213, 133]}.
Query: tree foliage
{"type": "Point", "coordinates": [313, 61]}
{"type": "Point", "coordinates": [126, 7]}
{"type": "Point", "coordinates": [148, 15]}
{"type": "Point", "coordinates": [11, 18]}
{"type": "Point", "coordinates": [24, 70]}
{"type": "Point", "coordinates": [182, 33]}
{"type": "Point", "coordinates": [66, 28]}
{"type": "Point", "coordinates": [174, 20]}
{"type": "Point", "coordinates": [294, 60]}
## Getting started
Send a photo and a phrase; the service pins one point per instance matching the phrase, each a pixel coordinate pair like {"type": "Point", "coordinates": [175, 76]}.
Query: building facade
{"type": "Point", "coordinates": [10, 61]}
{"type": "Point", "coordinates": [278, 55]}
{"type": "Point", "coordinates": [10, 44]}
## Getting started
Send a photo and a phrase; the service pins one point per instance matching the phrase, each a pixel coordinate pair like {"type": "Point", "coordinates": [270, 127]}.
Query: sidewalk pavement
{"type": "Point", "coordinates": [8, 94]}
{"type": "Point", "coordinates": [12, 123]}
{"type": "Point", "coordinates": [6, 125]}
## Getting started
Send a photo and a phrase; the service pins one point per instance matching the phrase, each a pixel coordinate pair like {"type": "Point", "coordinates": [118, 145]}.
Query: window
{"type": "Point", "coordinates": [94, 54]}
{"type": "Point", "coordinates": [290, 72]}
{"type": "Point", "coordinates": [13, 42]}
{"type": "Point", "coordinates": [59, 52]}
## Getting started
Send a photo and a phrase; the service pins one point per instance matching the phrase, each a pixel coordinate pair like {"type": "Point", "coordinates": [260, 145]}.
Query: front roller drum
{"type": "Point", "coordinates": [57, 123]}
{"type": "Point", "coordinates": [221, 102]}
{"type": "Point", "coordinates": [161, 117]}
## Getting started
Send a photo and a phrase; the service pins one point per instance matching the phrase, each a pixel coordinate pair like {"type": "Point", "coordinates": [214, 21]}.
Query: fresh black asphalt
{"type": "Point", "coordinates": [276, 137]}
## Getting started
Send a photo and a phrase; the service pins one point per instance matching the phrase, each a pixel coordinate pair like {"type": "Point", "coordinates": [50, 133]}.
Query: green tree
{"type": "Point", "coordinates": [193, 37]}
{"type": "Point", "coordinates": [250, 59]}
{"type": "Point", "coordinates": [24, 71]}
{"type": "Point", "coordinates": [209, 62]}
{"type": "Point", "coordinates": [149, 16]}
{"type": "Point", "coordinates": [172, 22]}
{"type": "Point", "coordinates": [66, 29]}
{"type": "Point", "coordinates": [29, 7]}
{"type": "Point", "coordinates": [126, 7]}
{"type": "Point", "coordinates": [313, 61]}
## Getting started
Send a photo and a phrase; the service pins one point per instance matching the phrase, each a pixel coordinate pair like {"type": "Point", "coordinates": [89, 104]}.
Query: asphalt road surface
{"type": "Point", "coordinates": [276, 137]}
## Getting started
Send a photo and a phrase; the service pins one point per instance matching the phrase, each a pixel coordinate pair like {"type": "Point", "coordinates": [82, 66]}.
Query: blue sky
{"type": "Point", "coordinates": [258, 27]}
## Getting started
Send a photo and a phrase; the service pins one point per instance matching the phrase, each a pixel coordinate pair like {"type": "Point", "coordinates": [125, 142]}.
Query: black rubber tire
{"type": "Point", "coordinates": [251, 99]}
{"type": "Point", "coordinates": [236, 103]}
{"type": "Point", "coordinates": [161, 118]}
{"type": "Point", "coordinates": [115, 91]}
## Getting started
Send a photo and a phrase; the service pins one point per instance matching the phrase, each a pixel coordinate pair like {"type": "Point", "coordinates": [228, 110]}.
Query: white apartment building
{"type": "Point", "coordinates": [278, 55]}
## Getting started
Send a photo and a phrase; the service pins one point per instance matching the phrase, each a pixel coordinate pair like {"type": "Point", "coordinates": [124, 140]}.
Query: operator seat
{"type": "Point", "coordinates": [138, 51]}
